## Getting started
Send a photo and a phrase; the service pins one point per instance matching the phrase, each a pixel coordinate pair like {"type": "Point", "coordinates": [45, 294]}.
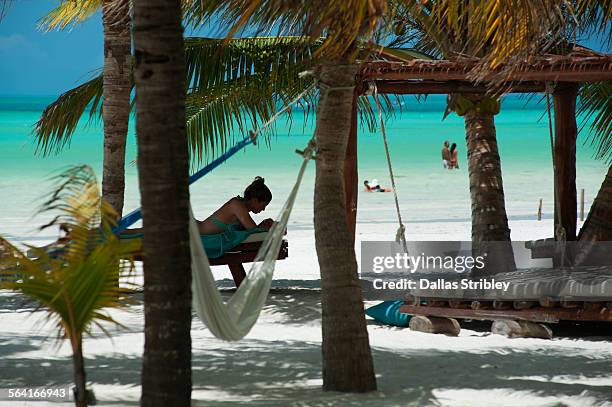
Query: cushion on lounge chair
{"type": "Point", "coordinates": [256, 237]}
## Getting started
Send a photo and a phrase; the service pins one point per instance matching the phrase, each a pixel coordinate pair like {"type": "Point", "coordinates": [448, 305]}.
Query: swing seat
{"type": "Point", "coordinates": [245, 252]}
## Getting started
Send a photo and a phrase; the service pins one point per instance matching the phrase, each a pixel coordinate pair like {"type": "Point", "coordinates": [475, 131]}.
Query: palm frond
{"type": "Point", "coordinates": [595, 107]}
{"type": "Point", "coordinates": [241, 83]}
{"type": "Point", "coordinates": [595, 17]}
{"type": "Point", "coordinates": [60, 119]}
{"type": "Point", "coordinates": [501, 33]}
{"type": "Point", "coordinates": [251, 76]}
{"type": "Point", "coordinates": [367, 113]}
{"type": "Point", "coordinates": [76, 284]}
{"type": "Point", "coordinates": [4, 6]}
{"type": "Point", "coordinates": [211, 61]}
{"type": "Point", "coordinates": [341, 22]}
{"type": "Point", "coordinates": [405, 54]}
{"type": "Point", "coordinates": [217, 115]}
{"type": "Point", "coordinates": [69, 13]}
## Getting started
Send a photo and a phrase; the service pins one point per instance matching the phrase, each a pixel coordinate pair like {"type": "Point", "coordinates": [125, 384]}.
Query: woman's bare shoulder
{"type": "Point", "coordinates": [236, 204]}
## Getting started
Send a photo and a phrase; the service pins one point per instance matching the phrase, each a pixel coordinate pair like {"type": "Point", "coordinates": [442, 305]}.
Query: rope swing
{"type": "Point", "coordinates": [400, 235]}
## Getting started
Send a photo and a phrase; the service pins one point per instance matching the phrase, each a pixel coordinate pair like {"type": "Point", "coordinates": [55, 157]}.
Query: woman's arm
{"type": "Point", "coordinates": [266, 223]}
{"type": "Point", "coordinates": [242, 213]}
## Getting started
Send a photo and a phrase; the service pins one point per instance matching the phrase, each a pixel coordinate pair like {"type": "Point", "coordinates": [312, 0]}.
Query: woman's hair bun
{"type": "Point", "coordinates": [258, 190]}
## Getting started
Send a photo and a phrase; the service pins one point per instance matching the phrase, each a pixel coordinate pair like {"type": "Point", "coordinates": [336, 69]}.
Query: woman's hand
{"type": "Point", "coordinates": [266, 223]}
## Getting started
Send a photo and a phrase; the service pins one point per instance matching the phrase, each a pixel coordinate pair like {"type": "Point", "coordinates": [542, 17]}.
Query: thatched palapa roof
{"type": "Point", "coordinates": [395, 75]}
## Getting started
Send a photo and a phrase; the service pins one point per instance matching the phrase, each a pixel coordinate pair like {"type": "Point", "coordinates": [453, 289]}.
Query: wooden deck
{"type": "Point", "coordinates": [500, 310]}
{"type": "Point", "coordinates": [538, 295]}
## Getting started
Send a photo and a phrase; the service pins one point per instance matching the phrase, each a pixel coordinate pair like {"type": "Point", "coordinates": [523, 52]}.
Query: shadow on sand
{"type": "Point", "coordinates": [288, 372]}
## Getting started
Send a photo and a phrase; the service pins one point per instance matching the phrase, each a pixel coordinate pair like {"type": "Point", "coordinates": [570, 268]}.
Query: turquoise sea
{"type": "Point", "coordinates": [427, 192]}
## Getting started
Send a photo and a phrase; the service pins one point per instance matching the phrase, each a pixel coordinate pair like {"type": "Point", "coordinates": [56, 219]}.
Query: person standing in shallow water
{"type": "Point", "coordinates": [446, 156]}
{"type": "Point", "coordinates": [454, 163]}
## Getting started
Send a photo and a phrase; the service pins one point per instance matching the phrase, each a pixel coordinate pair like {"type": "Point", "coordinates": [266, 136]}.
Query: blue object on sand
{"type": "Point", "coordinates": [388, 313]}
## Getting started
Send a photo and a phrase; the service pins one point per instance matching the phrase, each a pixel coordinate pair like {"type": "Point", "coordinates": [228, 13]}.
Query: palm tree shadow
{"type": "Point", "coordinates": [287, 373]}
{"type": "Point", "coordinates": [297, 302]}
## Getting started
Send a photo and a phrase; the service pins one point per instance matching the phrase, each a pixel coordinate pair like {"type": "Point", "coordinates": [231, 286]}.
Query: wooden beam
{"type": "Point", "coordinates": [351, 180]}
{"type": "Point", "coordinates": [595, 73]}
{"type": "Point", "coordinates": [550, 315]}
{"type": "Point", "coordinates": [564, 101]}
{"type": "Point", "coordinates": [436, 87]}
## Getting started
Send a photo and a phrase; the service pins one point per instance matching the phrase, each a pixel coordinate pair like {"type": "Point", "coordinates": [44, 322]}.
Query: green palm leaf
{"type": "Point", "coordinates": [595, 107]}
{"type": "Point", "coordinates": [240, 83]}
{"type": "Point", "coordinates": [223, 114]}
{"type": "Point", "coordinates": [594, 17]}
{"type": "Point", "coordinates": [233, 87]}
{"type": "Point", "coordinates": [216, 72]}
{"type": "Point", "coordinates": [342, 23]}
{"type": "Point", "coordinates": [79, 283]}
{"type": "Point", "coordinates": [69, 13]}
{"type": "Point", "coordinates": [60, 119]}
{"type": "Point", "coordinates": [213, 61]}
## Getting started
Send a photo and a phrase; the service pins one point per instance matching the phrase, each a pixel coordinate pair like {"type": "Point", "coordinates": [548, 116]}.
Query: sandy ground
{"type": "Point", "coordinates": [279, 362]}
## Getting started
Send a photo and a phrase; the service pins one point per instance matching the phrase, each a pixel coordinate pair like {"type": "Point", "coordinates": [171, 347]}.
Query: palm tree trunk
{"type": "Point", "coordinates": [163, 174]}
{"type": "Point", "coordinates": [597, 228]}
{"type": "Point", "coordinates": [80, 379]}
{"type": "Point", "coordinates": [116, 105]}
{"type": "Point", "coordinates": [347, 359]}
{"type": "Point", "coordinates": [489, 220]}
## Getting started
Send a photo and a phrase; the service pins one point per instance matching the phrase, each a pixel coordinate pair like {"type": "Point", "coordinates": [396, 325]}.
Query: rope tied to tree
{"type": "Point", "coordinates": [400, 236]}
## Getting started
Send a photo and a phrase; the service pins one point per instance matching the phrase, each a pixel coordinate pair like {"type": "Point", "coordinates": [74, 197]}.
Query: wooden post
{"type": "Point", "coordinates": [238, 273]}
{"type": "Point", "coordinates": [435, 325]}
{"type": "Point", "coordinates": [581, 204]}
{"type": "Point", "coordinates": [564, 100]}
{"type": "Point", "coordinates": [521, 329]}
{"type": "Point", "coordinates": [540, 210]}
{"type": "Point", "coordinates": [351, 179]}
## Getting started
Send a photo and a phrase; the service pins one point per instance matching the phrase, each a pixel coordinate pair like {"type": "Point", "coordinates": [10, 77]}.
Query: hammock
{"type": "Point", "coordinates": [231, 321]}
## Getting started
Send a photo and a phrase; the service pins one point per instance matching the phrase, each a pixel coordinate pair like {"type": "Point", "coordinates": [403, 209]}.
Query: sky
{"type": "Point", "coordinates": [33, 62]}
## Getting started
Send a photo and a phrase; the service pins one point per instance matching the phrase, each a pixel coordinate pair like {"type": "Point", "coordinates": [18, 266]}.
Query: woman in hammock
{"type": "Point", "coordinates": [231, 224]}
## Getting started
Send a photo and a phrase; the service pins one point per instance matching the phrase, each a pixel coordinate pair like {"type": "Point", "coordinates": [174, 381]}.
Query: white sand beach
{"type": "Point", "coordinates": [279, 362]}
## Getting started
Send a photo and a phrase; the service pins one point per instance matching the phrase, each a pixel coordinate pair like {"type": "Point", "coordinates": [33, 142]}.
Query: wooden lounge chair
{"type": "Point", "coordinates": [235, 258]}
{"type": "Point", "coordinates": [244, 253]}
